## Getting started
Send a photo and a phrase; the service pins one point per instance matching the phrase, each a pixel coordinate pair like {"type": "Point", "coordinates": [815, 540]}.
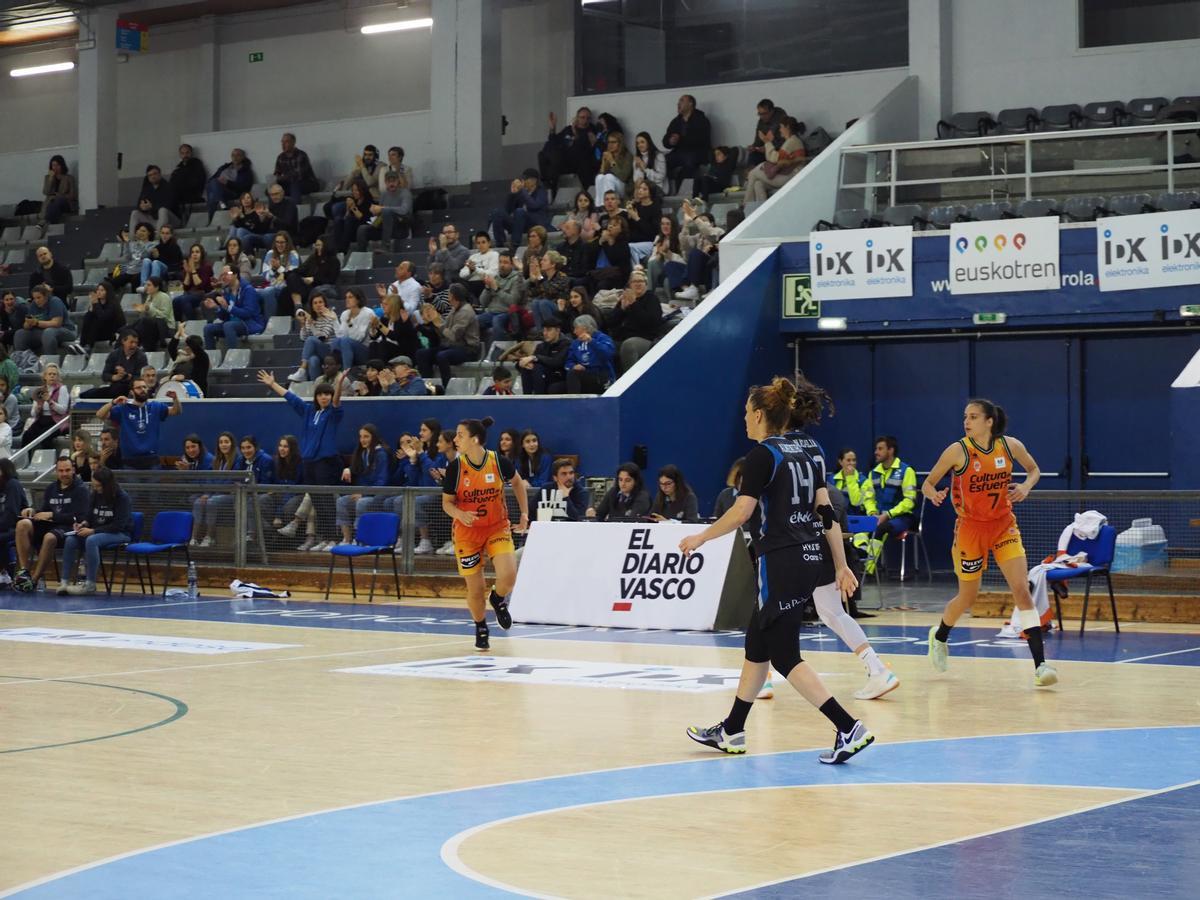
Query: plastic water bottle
{"type": "Point", "coordinates": [193, 582]}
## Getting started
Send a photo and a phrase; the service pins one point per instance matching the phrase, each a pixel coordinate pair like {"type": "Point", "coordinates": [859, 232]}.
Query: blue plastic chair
{"type": "Point", "coordinates": [135, 535]}
{"type": "Point", "coordinates": [1100, 551]}
{"type": "Point", "coordinates": [171, 531]}
{"type": "Point", "coordinates": [374, 534]}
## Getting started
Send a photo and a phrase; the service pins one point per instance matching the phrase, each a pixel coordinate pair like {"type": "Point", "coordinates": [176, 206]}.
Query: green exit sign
{"type": "Point", "coordinates": [256, 57]}
{"type": "Point", "coordinates": [989, 318]}
{"type": "Point", "coordinates": [1190, 311]}
{"type": "Point", "coordinates": [798, 302]}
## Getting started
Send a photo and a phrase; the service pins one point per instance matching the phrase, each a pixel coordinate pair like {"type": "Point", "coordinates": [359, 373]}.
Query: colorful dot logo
{"type": "Point", "coordinates": [961, 244]}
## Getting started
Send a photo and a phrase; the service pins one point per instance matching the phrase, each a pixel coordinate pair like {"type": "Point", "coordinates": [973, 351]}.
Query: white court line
{"type": "Point", "coordinates": [957, 840]}
{"type": "Point", "coordinates": [713, 759]}
{"type": "Point", "coordinates": [108, 609]}
{"type": "Point", "coordinates": [1157, 655]}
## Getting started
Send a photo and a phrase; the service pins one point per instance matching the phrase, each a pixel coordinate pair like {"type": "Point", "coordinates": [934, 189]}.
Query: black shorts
{"type": "Point", "coordinates": [788, 576]}
{"type": "Point", "coordinates": [765, 639]}
{"type": "Point", "coordinates": [41, 528]}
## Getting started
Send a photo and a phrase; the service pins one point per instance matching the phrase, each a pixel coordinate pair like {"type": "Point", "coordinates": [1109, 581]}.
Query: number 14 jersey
{"type": "Point", "coordinates": [979, 488]}
{"type": "Point", "coordinates": [784, 478]}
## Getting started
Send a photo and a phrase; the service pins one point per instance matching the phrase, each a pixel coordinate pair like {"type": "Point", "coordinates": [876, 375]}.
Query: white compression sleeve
{"type": "Point", "coordinates": [828, 600]}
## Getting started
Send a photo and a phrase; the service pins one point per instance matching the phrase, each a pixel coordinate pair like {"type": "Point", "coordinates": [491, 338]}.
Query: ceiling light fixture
{"type": "Point", "coordinates": [61, 21]}
{"type": "Point", "coordinates": [405, 25]}
{"type": "Point", "coordinates": [42, 70]}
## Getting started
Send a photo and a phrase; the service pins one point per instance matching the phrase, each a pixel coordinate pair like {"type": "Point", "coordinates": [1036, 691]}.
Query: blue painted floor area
{"type": "Point", "coordinates": [1141, 848]}
{"type": "Point", "coordinates": [393, 848]}
{"type": "Point", "coordinates": [1093, 646]}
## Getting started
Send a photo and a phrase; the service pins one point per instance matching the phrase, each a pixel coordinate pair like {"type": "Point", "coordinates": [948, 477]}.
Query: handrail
{"type": "Point", "coordinates": [1027, 136]}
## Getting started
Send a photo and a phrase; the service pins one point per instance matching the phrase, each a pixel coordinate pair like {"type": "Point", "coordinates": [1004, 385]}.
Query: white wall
{"type": "Point", "coordinates": [537, 66]}
{"type": "Point", "coordinates": [1019, 53]}
{"type": "Point", "coordinates": [40, 111]}
{"type": "Point", "coordinates": [21, 172]}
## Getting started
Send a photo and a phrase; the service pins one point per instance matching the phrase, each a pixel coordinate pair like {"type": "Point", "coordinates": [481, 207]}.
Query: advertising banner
{"type": "Point", "coordinates": [1004, 256]}
{"type": "Point", "coordinates": [1150, 251]}
{"type": "Point", "coordinates": [861, 263]}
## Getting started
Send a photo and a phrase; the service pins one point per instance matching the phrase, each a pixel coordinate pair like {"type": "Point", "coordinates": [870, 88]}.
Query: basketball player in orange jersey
{"type": "Point", "coordinates": [473, 496]}
{"type": "Point", "coordinates": [982, 491]}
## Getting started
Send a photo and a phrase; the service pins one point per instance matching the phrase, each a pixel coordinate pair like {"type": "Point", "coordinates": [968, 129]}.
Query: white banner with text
{"type": "Point", "coordinates": [1151, 251]}
{"type": "Point", "coordinates": [861, 263]}
{"type": "Point", "coordinates": [1004, 256]}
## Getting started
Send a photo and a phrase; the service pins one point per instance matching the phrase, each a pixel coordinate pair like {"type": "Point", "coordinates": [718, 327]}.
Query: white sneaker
{"type": "Point", "coordinates": [426, 546]}
{"type": "Point", "coordinates": [447, 549]}
{"type": "Point", "coordinates": [288, 530]}
{"type": "Point", "coordinates": [878, 685]}
{"type": "Point", "coordinates": [298, 375]}
{"type": "Point", "coordinates": [63, 589]}
{"type": "Point", "coordinates": [82, 587]}
{"type": "Point", "coordinates": [194, 542]}
{"type": "Point", "coordinates": [308, 545]}
{"type": "Point", "coordinates": [207, 542]}
{"type": "Point", "coordinates": [691, 292]}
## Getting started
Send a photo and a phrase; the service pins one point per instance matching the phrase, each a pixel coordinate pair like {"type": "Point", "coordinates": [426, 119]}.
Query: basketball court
{"type": "Point", "coordinates": [251, 748]}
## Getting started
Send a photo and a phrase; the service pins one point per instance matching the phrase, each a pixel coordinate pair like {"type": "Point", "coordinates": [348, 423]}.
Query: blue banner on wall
{"type": "Point", "coordinates": [132, 36]}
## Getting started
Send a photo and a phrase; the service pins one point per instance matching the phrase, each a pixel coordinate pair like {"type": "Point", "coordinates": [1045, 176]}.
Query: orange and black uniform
{"type": "Point", "coordinates": [979, 492]}
{"type": "Point", "coordinates": [480, 490]}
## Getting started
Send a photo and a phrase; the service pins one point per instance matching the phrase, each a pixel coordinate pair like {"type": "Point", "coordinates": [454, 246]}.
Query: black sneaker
{"type": "Point", "coordinates": [22, 582]}
{"type": "Point", "coordinates": [481, 637]}
{"type": "Point", "coordinates": [500, 605]}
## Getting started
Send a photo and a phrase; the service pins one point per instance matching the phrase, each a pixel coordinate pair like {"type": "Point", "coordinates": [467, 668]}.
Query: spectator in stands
{"type": "Point", "coordinates": [206, 508]}
{"type": "Point", "coordinates": [369, 385]}
{"type": "Point", "coordinates": [584, 214]}
{"type": "Point", "coordinates": [294, 509]}
{"type": "Point", "coordinates": [157, 321]}
{"type": "Point", "coordinates": [293, 171]}
{"type": "Point", "coordinates": [318, 329]}
{"type": "Point", "coordinates": [166, 253]}
{"type": "Point", "coordinates": [533, 460]}
{"type": "Point", "coordinates": [391, 214]}
{"type": "Point", "coordinates": [6, 435]}
{"type": "Point", "coordinates": [502, 383]}
{"type": "Point", "coordinates": [157, 204]}
{"type": "Point", "coordinates": [344, 229]}
{"type": "Point", "coordinates": [636, 321]}
{"type": "Point", "coordinates": [229, 182]}
{"type": "Point", "coordinates": [528, 204]}
{"type": "Point", "coordinates": [50, 271]}
{"type": "Point", "coordinates": [321, 269]}
{"type": "Point", "coordinates": [644, 213]}
{"type": "Point", "coordinates": [589, 358]}
{"type": "Point", "coordinates": [124, 361]}
{"type": "Point", "coordinates": [769, 117]}
{"type": "Point", "coordinates": [281, 259]}
{"type": "Point", "coordinates": [109, 449]}
{"type": "Point", "coordinates": [249, 223]}
{"type": "Point", "coordinates": [447, 251]}
{"type": "Point", "coordinates": [104, 317]}
{"type": "Point", "coordinates": [570, 151]}
{"type": "Point", "coordinates": [459, 333]}
{"type": "Point", "coordinates": [9, 372]}
{"type": "Point", "coordinates": [407, 288]}
{"type": "Point", "coordinates": [253, 459]}
{"type": "Point", "coordinates": [508, 444]}
{"type": "Point", "coordinates": [81, 451]}
{"type": "Point", "coordinates": [59, 193]}
{"type": "Point", "coordinates": [698, 240]}
{"type": "Point", "coordinates": [627, 499]}
{"type": "Point", "coordinates": [502, 291]}
{"type": "Point", "coordinates": [108, 522]}
{"type": "Point", "coordinates": [675, 500]}
{"type": "Point", "coordinates": [369, 467]}
{"type": "Point", "coordinates": [64, 502]}
{"type": "Point", "coordinates": [547, 285]}
{"type": "Point", "coordinates": [238, 312]}
{"type": "Point", "coordinates": [610, 208]}
{"type": "Point", "coordinates": [188, 177]}
{"type": "Point", "coordinates": [354, 329]}
{"type": "Point", "coordinates": [194, 458]}
{"type": "Point", "coordinates": [395, 166]}
{"type": "Point", "coordinates": [191, 362]}
{"type": "Point", "coordinates": [666, 252]}
{"type": "Point", "coordinates": [423, 463]}
{"type": "Point", "coordinates": [13, 503]}
{"type": "Point", "coordinates": [150, 376]}
{"type": "Point", "coordinates": [649, 163]}
{"type": "Point", "coordinates": [578, 303]}
{"type": "Point", "coordinates": [688, 141]}
{"type": "Point", "coordinates": [719, 175]}
{"type": "Point", "coordinates": [573, 493]}
{"type": "Point", "coordinates": [616, 167]}
{"type": "Point", "coordinates": [536, 245]}
{"type": "Point", "coordinates": [236, 259]}
{"type": "Point", "coordinates": [483, 262]}
{"type": "Point", "coordinates": [12, 317]}
{"type": "Point", "coordinates": [781, 164]}
{"type": "Point", "coordinates": [196, 278]}
{"type": "Point", "coordinates": [281, 213]}
{"type": "Point", "coordinates": [436, 291]}
{"type": "Point", "coordinates": [394, 333]}
{"type": "Point", "coordinates": [608, 124]}
{"type": "Point", "coordinates": [318, 439]}
{"type": "Point", "coordinates": [365, 169]}
{"type": "Point", "coordinates": [47, 324]}
{"type": "Point", "coordinates": [894, 496]}
{"type": "Point", "coordinates": [613, 261]}
{"type": "Point", "coordinates": [403, 380]}
{"type": "Point", "coordinates": [578, 254]}
{"type": "Point", "coordinates": [138, 419]}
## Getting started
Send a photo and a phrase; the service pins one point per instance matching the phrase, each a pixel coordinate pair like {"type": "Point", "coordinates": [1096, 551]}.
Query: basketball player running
{"type": "Point", "coordinates": [473, 496]}
{"type": "Point", "coordinates": [792, 561]}
{"type": "Point", "coordinates": [982, 492]}
{"type": "Point", "coordinates": [810, 403]}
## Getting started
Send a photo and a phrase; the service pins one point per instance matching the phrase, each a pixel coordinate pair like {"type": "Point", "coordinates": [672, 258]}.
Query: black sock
{"type": "Point", "coordinates": [736, 720]}
{"type": "Point", "coordinates": [943, 632]}
{"type": "Point", "coordinates": [481, 625]}
{"type": "Point", "coordinates": [1034, 637]}
{"type": "Point", "coordinates": [842, 720]}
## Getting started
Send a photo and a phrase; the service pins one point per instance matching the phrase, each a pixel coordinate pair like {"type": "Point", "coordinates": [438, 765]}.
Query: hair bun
{"type": "Point", "coordinates": [487, 421]}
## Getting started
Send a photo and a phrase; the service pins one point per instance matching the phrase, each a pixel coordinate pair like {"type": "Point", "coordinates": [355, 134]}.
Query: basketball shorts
{"type": "Point", "coordinates": [973, 540]}
{"type": "Point", "coordinates": [469, 547]}
{"type": "Point", "coordinates": [788, 576]}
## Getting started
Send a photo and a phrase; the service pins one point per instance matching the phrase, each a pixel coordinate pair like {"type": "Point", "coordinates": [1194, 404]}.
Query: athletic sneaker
{"type": "Point", "coordinates": [481, 637]}
{"type": "Point", "coordinates": [846, 745]}
{"type": "Point", "coordinates": [716, 738]}
{"type": "Point", "coordinates": [288, 530]}
{"type": "Point", "coordinates": [426, 546]}
{"type": "Point", "coordinates": [207, 542]}
{"type": "Point", "coordinates": [447, 549]}
{"type": "Point", "coordinates": [298, 375]}
{"type": "Point", "coordinates": [939, 653]}
{"type": "Point", "coordinates": [63, 589]}
{"type": "Point", "coordinates": [500, 605]}
{"type": "Point", "coordinates": [767, 692]}
{"type": "Point", "coordinates": [878, 685]}
{"type": "Point", "coordinates": [1045, 675]}
{"type": "Point", "coordinates": [691, 292]}
{"type": "Point", "coordinates": [307, 545]}
{"type": "Point", "coordinates": [22, 582]}
{"type": "Point", "coordinates": [82, 587]}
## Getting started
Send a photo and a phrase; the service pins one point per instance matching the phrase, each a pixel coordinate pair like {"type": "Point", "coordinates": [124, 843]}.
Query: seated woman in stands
{"type": "Point", "coordinates": [196, 280]}
{"type": "Point", "coordinates": [675, 499]}
{"type": "Point", "coordinates": [11, 409]}
{"type": "Point", "coordinates": [344, 230]}
{"type": "Point", "coordinates": [626, 500]}
{"type": "Point", "coordinates": [104, 318]}
{"type": "Point", "coordinates": [584, 213]}
{"type": "Point", "coordinates": [533, 460]}
{"type": "Point", "coordinates": [318, 330]}
{"type": "Point", "coordinates": [644, 213]}
{"type": "Point", "coordinates": [280, 260]}
{"type": "Point", "coordinates": [51, 407]}
{"type": "Point", "coordinates": [369, 467]}
{"type": "Point", "coordinates": [768, 177]}
{"type": "Point", "coordinates": [133, 251]}
{"type": "Point", "coordinates": [613, 262]}
{"type": "Point", "coordinates": [157, 322]}
{"type": "Point", "coordinates": [195, 458]}
{"type": "Point", "coordinates": [354, 329]}
{"type": "Point", "coordinates": [616, 167]}
{"type": "Point", "coordinates": [191, 362]}
{"type": "Point", "coordinates": [666, 250]}
{"type": "Point", "coordinates": [236, 258]}
{"type": "Point", "coordinates": [59, 196]}
{"type": "Point", "coordinates": [250, 221]}
{"type": "Point", "coordinates": [207, 507]}
{"type": "Point", "coordinates": [589, 362]}
{"type": "Point", "coordinates": [395, 332]}
{"type": "Point", "coordinates": [319, 270]}
{"type": "Point", "coordinates": [578, 303]}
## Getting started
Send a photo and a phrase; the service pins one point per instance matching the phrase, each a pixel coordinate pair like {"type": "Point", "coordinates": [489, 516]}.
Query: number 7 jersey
{"type": "Point", "coordinates": [979, 488]}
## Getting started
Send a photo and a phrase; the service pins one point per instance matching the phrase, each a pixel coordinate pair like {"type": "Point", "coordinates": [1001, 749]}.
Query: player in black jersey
{"type": "Point", "coordinates": [787, 487]}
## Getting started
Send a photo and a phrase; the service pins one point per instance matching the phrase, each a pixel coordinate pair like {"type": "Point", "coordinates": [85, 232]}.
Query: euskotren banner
{"type": "Point", "coordinates": [1004, 256]}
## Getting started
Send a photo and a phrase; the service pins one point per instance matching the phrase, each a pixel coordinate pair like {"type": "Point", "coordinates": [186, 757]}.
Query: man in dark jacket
{"type": "Point", "coordinates": [765, 129]}
{"type": "Point", "coordinates": [547, 365]}
{"type": "Point", "coordinates": [123, 364]}
{"type": "Point", "coordinates": [565, 482]}
{"type": "Point", "coordinates": [167, 251]}
{"type": "Point", "coordinates": [284, 216]}
{"type": "Point", "coordinates": [571, 150]}
{"type": "Point", "coordinates": [50, 271]}
{"type": "Point", "coordinates": [229, 182]}
{"type": "Point", "coordinates": [293, 171]}
{"type": "Point", "coordinates": [580, 255]}
{"type": "Point", "coordinates": [688, 141]}
{"type": "Point", "coordinates": [64, 503]}
{"type": "Point", "coordinates": [528, 204]}
{"type": "Point", "coordinates": [157, 204]}
{"type": "Point", "coordinates": [636, 321]}
{"type": "Point", "coordinates": [187, 180]}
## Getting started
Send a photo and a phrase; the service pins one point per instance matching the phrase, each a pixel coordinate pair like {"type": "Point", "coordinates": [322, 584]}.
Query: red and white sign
{"type": "Point", "coordinates": [619, 575]}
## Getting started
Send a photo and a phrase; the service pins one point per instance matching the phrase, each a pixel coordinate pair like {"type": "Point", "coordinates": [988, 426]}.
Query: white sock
{"type": "Point", "coordinates": [871, 660]}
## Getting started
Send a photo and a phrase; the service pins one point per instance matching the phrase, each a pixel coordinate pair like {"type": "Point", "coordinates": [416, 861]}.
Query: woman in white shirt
{"type": "Point", "coordinates": [649, 163]}
{"type": "Point", "coordinates": [51, 406]}
{"type": "Point", "coordinates": [483, 262]}
{"type": "Point", "coordinates": [318, 329]}
{"type": "Point", "coordinates": [354, 330]}
{"type": "Point", "coordinates": [280, 259]}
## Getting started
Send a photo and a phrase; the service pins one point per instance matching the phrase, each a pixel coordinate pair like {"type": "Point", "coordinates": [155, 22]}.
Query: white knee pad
{"type": "Point", "coordinates": [828, 600]}
{"type": "Point", "coordinates": [1027, 618]}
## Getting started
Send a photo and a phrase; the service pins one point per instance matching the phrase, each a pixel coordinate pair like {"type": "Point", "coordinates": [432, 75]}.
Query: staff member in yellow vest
{"type": "Point", "coordinates": [856, 487]}
{"type": "Point", "coordinates": [894, 484]}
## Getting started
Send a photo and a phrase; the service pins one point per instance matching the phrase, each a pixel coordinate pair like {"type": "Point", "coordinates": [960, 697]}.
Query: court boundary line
{"type": "Point", "coordinates": [1157, 655]}
{"type": "Point", "coordinates": [450, 856]}
{"type": "Point", "coordinates": [706, 758]}
{"type": "Point", "coordinates": [946, 843]}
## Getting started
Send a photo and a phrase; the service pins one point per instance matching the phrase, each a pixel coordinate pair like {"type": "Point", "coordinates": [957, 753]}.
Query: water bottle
{"type": "Point", "coordinates": [193, 582]}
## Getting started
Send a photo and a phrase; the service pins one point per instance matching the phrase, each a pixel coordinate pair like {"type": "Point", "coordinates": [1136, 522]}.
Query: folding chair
{"type": "Point", "coordinates": [171, 531]}
{"type": "Point", "coordinates": [1100, 551]}
{"type": "Point", "coordinates": [374, 534]}
{"type": "Point", "coordinates": [135, 535]}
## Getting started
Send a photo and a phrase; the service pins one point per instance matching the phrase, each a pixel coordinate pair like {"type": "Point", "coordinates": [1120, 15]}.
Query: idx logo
{"type": "Point", "coordinates": [1125, 250]}
{"type": "Point", "coordinates": [833, 263]}
{"type": "Point", "coordinates": [1000, 241]}
{"type": "Point", "coordinates": [1186, 246]}
{"type": "Point", "coordinates": [887, 261]}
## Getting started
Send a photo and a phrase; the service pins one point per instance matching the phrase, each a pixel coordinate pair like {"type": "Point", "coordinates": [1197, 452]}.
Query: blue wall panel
{"type": "Point", "coordinates": [845, 370]}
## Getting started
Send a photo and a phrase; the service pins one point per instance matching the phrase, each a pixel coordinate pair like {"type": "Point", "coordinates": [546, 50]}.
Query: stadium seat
{"type": "Point", "coordinates": [31, 233]}
{"type": "Point", "coordinates": [221, 219]}
{"type": "Point", "coordinates": [905, 214]}
{"type": "Point", "coordinates": [1103, 114]}
{"type": "Point", "coordinates": [49, 359]}
{"type": "Point", "coordinates": [1082, 209]}
{"type": "Point", "coordinates": [359, 260]}
{"type": "Point", "coordinates": [39, 461]}
{"type": "Point", "coordinates": [238, 358]}
{"type": "Point", "coordinates": [276, 325]}
{"type": "Point", "coordinates": [1018, 120]}
{"type": "Point", "coordinates": [109, 253]}
{"type": "Point", "coordinates": [460, 387]}
{"type": "Point", "coordinates": [947, 215]}
{"type": "Point", "coordinates": [990, 212]}
{"type": "Point", "coordinates": [157, 358]}
{"type": "Point", "coordinates": [96, 362]}
{"type": "Point", "coordinates": [1128, 205]}
{"type": "Point", "coordinates": [129, 301]}
{"type": "Point", "coordinates": [1063, 117]}
{"type": "Point", "coordinates": [1038, 206]}
{"type": "Point", "coordinates": [303, 389]}
{"type": "Point", "coordinates": [135, 534]}
{"type": "Point", "coordinates": [848, 218]}
{"type": "Point", "coordinates": [965, 125]}
{"type": "Point", "coordinates": [1172, 201]}
{"type": "Point", "coordinates": [11, 235]}
{"type": "Point", "coordinates": [212, 243]}
{"type": "Point", "coordinates": [194, 327]}
{"type": "Point", "coordinates": [16, 257]}
{"type": "Point", "coordinates": [171, 531]}
{"type": "Point", "coordinates": [1100, 551]}
{"type": "Point", "coordinates": [74, 365]}
{"type": "Point", "coordinates": [96, 274]}
{"type": "Point", "coordinates": [1181, 109]}
{"type": "Point", "coordinates": [375, 533]}
{"type": "Point", "coordinates": [1143, 110]}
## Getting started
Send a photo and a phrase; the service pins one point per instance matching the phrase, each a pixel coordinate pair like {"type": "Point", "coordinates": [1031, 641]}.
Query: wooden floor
{"type": "Point", "coordinates": [107, 751]}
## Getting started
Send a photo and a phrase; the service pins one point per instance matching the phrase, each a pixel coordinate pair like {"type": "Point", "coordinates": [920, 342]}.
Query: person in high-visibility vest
{"type": "Point", "coordinates": [895, 488]}
{"type": "Point", "coordinates": [859, 492]}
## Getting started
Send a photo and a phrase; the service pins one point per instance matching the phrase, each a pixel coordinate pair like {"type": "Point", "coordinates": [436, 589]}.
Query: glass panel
{"type": "Point", "coordinates": [1109, 23]}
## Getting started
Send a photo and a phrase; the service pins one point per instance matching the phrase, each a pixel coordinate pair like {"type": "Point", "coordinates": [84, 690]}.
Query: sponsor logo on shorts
{"type": "Point", "coordinates": [971, 565]}
{"type": "Point", "coordinates": [470, 562]}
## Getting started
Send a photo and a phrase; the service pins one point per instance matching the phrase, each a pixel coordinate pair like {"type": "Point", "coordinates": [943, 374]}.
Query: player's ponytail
{"type": "Point", "coordinates": [993, 411]}
{"type": "Point", "coordinates": [810, 403]}
{"type": "Point", "coordinates": [477, 428]}
{"type": "Point", "coordinates": [776, 401]}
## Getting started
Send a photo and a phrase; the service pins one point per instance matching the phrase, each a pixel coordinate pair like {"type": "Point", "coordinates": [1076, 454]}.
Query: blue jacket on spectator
{"type": "Point", "coordinates": [263, 467]}
{"type": "Point", "coordinates": [111, 518]}
{"type": "Point", "coordinates": [203, 464]}
{"type": "Point", "coordinates": [318, 437]}
{"type": "Point", "coordinates": [12, 501]}
{"type": "Point", "coordinates": [245, 306]}
{"type": "Point", "coordinates": [596, 355]}
{"type": "Point", "coordinates": [539, 476]}
{"type": "Point", "coordinates": [417, 474]}
{"type": "Point", "coordinates": [537, 205]}
{"type": "Point", "coordinates": [68, 506]}
{"type": "Point", "coordinates": [375, 472]}
{"type": "Point", "coordinates": [414, 387]}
